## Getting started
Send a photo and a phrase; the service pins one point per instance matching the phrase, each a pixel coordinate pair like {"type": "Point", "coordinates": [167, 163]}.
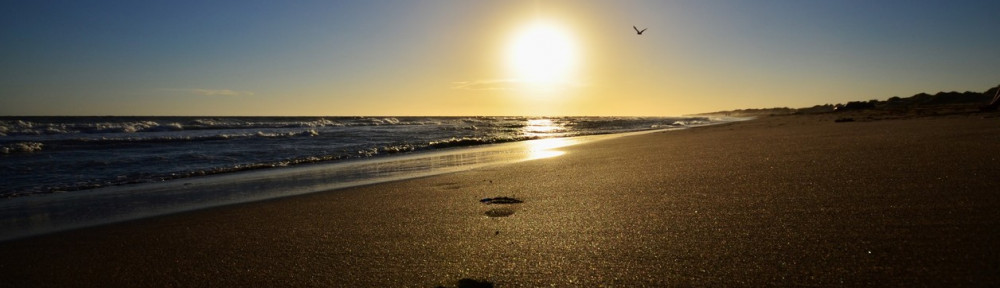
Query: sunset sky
{"type": "Point", "coordinates": [509, 57]}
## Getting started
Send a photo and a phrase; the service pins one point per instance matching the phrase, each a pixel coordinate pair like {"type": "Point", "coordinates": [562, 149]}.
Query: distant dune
{"type": "Point", "coordinates": [919, 104]}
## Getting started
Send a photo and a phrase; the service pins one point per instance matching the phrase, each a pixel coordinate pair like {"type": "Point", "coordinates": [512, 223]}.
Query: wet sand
{"type": "Point", "coordinates": [778, 201]}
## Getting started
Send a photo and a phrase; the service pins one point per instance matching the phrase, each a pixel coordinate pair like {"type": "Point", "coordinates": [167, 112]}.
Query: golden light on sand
{"type": "Point", "coordinates": [542, 52]}
{"type": "Point", "coordinates": [544, 148]}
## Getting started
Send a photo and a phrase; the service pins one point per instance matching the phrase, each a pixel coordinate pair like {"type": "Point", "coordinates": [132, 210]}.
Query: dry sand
{"type": "Point", "coordinates": [778, 201]}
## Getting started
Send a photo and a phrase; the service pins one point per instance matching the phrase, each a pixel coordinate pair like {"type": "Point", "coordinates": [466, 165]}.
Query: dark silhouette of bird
{"type": "Point", "coordinates": [637, 31]}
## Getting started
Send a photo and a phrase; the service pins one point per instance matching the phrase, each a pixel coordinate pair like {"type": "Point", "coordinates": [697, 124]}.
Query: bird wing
{"type": "Point", "coordinates": [643, 30]}
{"type": "Point", "coordinates": [637, 29]}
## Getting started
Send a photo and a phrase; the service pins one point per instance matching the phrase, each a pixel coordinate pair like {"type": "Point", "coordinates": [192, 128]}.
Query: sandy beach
{"type": "Point", "coordinates": [777, 201]}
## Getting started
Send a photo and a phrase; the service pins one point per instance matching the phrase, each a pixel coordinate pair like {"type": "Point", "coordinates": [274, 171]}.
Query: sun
{"type": "Point", "coordinates": [542, 52]}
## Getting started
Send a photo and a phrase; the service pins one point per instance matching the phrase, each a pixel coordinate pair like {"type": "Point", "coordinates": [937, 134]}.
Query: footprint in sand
{"type": "Point", "coordinates": [501, 200]}
{"type": "Point", "coordinates": [502, 211]}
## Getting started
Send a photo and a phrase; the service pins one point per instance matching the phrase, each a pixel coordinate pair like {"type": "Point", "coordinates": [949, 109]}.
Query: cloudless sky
{"type": "Point", "coordinates": [450, 57]}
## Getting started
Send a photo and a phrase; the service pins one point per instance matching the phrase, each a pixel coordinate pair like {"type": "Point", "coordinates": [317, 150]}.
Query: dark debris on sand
{"type": "Point", "coordinates": [472, 283]}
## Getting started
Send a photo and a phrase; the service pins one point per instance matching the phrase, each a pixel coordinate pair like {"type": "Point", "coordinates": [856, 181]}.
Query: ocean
{"type": "Point", "coordinates": [64, 172]}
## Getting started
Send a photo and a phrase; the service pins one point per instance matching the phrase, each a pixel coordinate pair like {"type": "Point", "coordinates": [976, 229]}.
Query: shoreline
{"type": "Point", "coordinates": [34, 215]}
{"type": "Point", "coordinates": [778, 201]}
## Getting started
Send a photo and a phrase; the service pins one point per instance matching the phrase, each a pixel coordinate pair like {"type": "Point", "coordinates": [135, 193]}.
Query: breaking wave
{"type": "Point", "coordinates": [23, 147]}
{"type": "Point", "coordinates": [88, 125]}
{"type": "Point", "coordinates": [89, 152]}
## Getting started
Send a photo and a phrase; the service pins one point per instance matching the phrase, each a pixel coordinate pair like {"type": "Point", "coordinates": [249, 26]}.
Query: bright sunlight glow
{"type": "Point", "coordinates": [542, 53]}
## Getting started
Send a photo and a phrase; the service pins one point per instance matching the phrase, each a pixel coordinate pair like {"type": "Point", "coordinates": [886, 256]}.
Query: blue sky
{"type": "Point", "coordinates": [406, 57]}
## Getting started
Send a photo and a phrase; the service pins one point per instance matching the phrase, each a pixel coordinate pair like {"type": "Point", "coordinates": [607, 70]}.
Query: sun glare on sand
{"type": "Point", "coordinates": [542, 53]}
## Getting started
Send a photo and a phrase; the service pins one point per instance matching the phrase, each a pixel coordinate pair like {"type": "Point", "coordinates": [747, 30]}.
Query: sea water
{"type": "Point", "coordinates": [65, 172]}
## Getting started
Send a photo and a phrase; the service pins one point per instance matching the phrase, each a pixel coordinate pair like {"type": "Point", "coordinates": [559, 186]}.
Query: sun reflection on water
{"type": "Point", "coordinates": [543, 127]}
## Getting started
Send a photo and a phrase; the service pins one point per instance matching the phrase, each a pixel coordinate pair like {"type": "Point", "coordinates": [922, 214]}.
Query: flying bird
{"type": "Point", "coordinates": [637, 31]}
